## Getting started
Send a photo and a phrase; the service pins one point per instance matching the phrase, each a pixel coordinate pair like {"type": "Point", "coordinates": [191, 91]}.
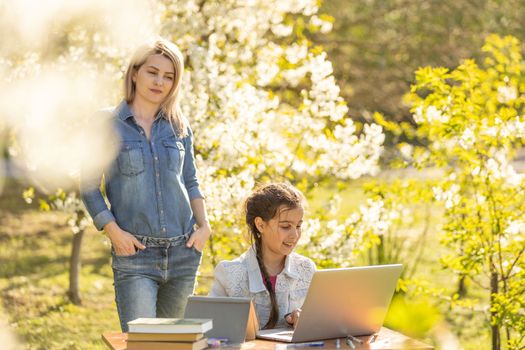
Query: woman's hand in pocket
{"type": "Point", "coordinates": [198, 238]}
{"type": "Point", "coordinates": [124, 243]}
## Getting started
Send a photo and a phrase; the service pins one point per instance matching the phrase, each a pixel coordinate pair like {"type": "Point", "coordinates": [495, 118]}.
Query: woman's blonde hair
{"type": "Point", "coordinates": [171, 106]}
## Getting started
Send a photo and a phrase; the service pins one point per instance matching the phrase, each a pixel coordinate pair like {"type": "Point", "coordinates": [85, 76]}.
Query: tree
{"type": "Point", "coordinates": [78, 221]}
{"type": "Point", "coordinates": [376, 45]}
{"type": "Point", "coordinates": [264, 105]}
{"type": "Point", "coordinates": [473, 118]}
{"type": "Point", "coordinates": [261, 99]}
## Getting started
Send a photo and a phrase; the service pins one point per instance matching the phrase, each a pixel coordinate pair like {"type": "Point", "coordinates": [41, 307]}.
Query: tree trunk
{"type": "Point", "coordinates": [462, 286]}
{"type": "Point", "coordinates": [213, 253]}
{"type": "Point", "coordinates": [496, 340]}
{"type": "Point", "coordinates": [74, 269]}
{"type": "Point", "coordinates": [381, 251]}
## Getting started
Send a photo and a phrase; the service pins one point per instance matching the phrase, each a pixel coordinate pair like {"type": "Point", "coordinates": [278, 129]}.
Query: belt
{"type": "Point", "coordinates": [161, 242]}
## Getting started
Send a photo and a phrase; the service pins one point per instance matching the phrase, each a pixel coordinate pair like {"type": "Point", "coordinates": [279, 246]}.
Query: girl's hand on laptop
{"type": "Point", "coordinates": [293, 317]}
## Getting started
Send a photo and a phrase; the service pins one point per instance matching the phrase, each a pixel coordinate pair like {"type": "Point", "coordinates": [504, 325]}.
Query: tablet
{"type": "Point", "coordinates": [233, 318]}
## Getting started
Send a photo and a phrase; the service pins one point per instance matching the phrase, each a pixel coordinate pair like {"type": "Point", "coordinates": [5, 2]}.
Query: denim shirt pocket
{"type": "Point", "coordinates": [176, 151]}
{"type": "Point", "coordinates": [131, 158]}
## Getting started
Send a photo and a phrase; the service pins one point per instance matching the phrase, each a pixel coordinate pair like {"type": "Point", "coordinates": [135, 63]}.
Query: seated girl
{"type": "Point", "coordinates": [269, 272]}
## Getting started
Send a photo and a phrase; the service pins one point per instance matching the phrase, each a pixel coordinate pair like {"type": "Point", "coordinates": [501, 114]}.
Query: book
{"type": "Point", "coordinates": [180, 337]}
{"type": "Point", "coordinates": [150, 345]}
{"type": "Point", "coordinates": [170, 325]}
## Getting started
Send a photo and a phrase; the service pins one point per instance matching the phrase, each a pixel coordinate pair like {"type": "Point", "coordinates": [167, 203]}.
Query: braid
{"type": "Point", "coordinates": [264, 203]}
{"type": "Point", "coordinates": [274, 313]}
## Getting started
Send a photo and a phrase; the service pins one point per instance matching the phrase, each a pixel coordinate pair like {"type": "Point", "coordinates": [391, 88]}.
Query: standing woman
{"type": "Point", "coordinates": [153, 192]}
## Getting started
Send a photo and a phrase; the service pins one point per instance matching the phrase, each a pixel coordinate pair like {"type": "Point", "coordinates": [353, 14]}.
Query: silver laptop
{"type": "Point", "coordinates": [340, 302]}
{"type": "Point", "coordinates": [233, 318]}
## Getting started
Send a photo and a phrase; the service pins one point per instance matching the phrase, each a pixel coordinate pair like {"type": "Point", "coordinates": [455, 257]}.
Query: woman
{"type": "Point", "coordinates": [152, 190]}
{"type": "Point", "coordinates": [270, 272]}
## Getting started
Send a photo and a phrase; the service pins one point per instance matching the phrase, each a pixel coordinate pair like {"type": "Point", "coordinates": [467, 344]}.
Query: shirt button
{"type": "Point", "coordinates": [158, 175]}
{"type": "Point", "coordinates": [156, 158]}
{"type": "Point", "coordinates": [163, 229]}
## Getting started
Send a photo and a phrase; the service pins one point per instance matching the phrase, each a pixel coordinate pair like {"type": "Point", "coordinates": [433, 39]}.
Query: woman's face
{"type": "Point", "coordinates": [154, 80]}
{"type": "Point", "coordinates": [280, 234]}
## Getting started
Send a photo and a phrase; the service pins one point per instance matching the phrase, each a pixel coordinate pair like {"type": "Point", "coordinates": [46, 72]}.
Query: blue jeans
{"type": "Point", "coordinates": [156, 281]}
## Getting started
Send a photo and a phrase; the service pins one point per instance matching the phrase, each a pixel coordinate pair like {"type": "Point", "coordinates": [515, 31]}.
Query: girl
{"type": "Point", "coordinates": [270, 272]}
{"type": "Point", "coordinates": [152, 190]}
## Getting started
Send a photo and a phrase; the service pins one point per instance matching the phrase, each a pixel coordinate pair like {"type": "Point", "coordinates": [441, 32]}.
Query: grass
{"type": "Point", "coordinates": [34, 260]}
{"type": "Point", "coordinates": [34, 282]}
{"type": "Point", "coordinates": [34, 253]}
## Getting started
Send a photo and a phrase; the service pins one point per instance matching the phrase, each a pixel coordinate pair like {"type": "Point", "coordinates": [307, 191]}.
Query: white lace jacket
{"type": "Point", "coordinates": [242, 278]}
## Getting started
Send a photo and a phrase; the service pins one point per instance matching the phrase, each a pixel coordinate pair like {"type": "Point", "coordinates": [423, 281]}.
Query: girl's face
{"type": "Point", "coordinates": [280, 234]}
{"type": "Point", "coordinates": [154, 80]}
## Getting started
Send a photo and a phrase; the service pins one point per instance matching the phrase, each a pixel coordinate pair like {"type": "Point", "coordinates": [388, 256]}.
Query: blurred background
{"type": "Point", "coordinates": [401, 120]}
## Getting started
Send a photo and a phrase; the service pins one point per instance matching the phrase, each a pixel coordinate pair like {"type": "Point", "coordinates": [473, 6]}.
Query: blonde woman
{"type": "Point", "coordinates": [153, 192]}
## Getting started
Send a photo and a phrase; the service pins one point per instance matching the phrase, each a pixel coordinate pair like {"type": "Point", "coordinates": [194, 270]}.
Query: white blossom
{"type": "Point", "coordinates": [467, 138]}
{"type": "Point", "coordinates": [406, 150]}
{"type": "Point", "coordinates": [334, 234]}
{"type": "Point", "coordinates": [295, 53]}
{"type": "Point", "coordinates": [323, 25]}
{"type": "Point", "coordinates": [450, 197]}
{"type": "Point", "coordinates": [281, 29]}
{"type": "Point", "coordinates": [310, 228]}
{"type": "Point", "coordinates": [418, 115]}
{"type": "Point", "coordinates": [507, 94]}
{"type": "Point", "coordinates": [515, 228]}
{"type": "Point", "coordinates": [244, 130]}
{"type": "Point", "coordinates": [430, 115]}
{"type": "Point", "coordinates": [435, 115]}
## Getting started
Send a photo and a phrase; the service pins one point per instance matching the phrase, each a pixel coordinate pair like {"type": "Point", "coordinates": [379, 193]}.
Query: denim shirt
{"type": "Point", "coordinates": [150, 184]}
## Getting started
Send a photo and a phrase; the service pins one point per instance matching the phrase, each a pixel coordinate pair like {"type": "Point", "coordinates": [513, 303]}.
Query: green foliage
{"type": "Point", "coordinates": [472, 117]}
{"type": "Point", "coordinates": [402, 315]}
{"type": "Point", "coordinates": [68, 202]}
{"type": "Point", "coordinates": [35, 250]}
{"type": "Point", "coordinates": [376, 45]}
{"type": "Point", "coordinates": [471, 121]}
{"type": "Point", "coordinates": [508, 309]}
{"type": "Point", "coordinates": [409, 210]}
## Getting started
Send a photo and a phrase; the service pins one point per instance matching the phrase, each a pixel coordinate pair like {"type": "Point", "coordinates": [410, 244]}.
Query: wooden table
{"type": "Point", "coordinates": [387, 339]}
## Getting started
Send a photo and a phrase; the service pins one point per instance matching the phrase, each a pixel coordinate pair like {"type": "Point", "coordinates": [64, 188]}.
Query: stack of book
{"type": "Point", "coordinates": [168, 334]}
